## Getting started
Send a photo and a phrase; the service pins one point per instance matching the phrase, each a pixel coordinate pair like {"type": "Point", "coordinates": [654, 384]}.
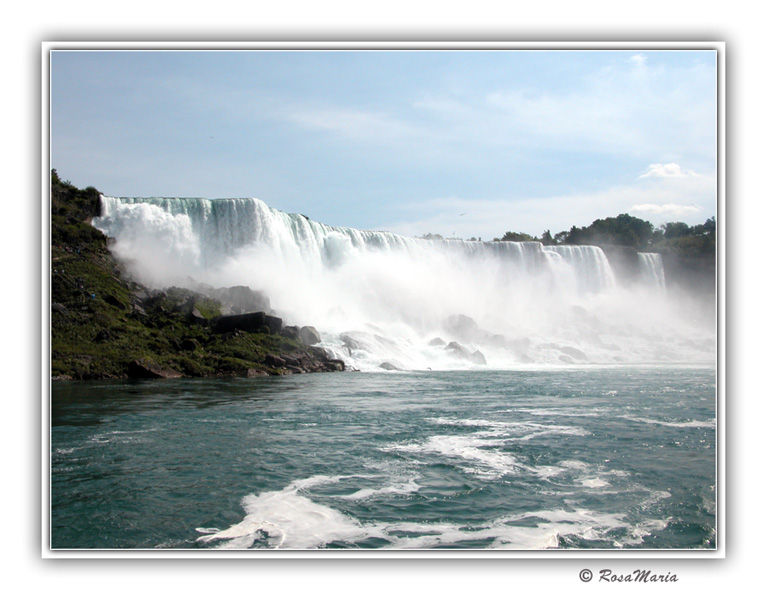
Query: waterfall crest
{"type": "Point", "coordinates": [383, 299]}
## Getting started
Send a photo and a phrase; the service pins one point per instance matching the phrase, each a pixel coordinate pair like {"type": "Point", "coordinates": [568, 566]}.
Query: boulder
{"type": "Point", "coordinates": [334, 364]}
{"type": "Point", "coordinates": [455, 349]}
{"type": "Point", "coordinates": [290, 331]}
{"type": "Point", "coordinates": [146, 369]}
{"type": "Point", "coordinates": [256, 373]}
{"type": "Point", "coordinates": [478, 358]}
{"type": "Point", "coordinates": [240, 299]}
{"type": "Point", "coordinates": [274, 361]}
{"type": "Point", "coordinates": [309, 336]}
{"type": "Point", "coordinates": [389, 366]}
{"type": "Point", "coordinates": [195, 316]}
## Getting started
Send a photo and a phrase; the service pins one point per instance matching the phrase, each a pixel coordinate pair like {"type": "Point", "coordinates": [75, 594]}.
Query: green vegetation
{"type": "Point", "coordinates": [104, 326]}
{"type": "Point", "coordinates": [513, 236]}
{"type": "Point", "coordinates": [625, 230]}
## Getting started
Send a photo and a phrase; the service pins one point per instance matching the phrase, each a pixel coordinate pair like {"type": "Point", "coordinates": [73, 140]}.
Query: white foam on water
{"type": "Point", "coordinates": [594, 482]}
{"type": "Point", "coordinates": [470, 450]}
{"type": "Point", "coordinates": [711, 423]}
{"type": "Point", "coordinates": [562, 412]}
{"type": "Point", "coordinates": [395, 489]}
{"type": "Point", "coordinates": [512, 430]}
{"type": "Point", "coordinates": [285, 519]}
{"type": "Point", "coordinates": [288, 520]}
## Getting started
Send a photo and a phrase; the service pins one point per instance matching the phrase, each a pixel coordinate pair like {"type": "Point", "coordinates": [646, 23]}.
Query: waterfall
{"type": "Point", "coordinates": [651, 269]}
{"type": "Point", "coordinates": [381, 298]}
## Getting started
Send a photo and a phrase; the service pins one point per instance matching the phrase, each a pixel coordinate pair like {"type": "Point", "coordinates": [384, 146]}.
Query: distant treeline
{"type": "Point", "coordinates": [625, 230]}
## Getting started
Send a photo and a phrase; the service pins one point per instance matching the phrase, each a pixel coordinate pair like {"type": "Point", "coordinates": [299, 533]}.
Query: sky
{"type": "Point", "coordinates": [462, 143]}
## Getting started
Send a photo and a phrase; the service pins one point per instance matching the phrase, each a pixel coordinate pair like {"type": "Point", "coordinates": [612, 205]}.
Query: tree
{"type": "Point", "coordinates": [513, 236]}
{"type": "Point", "coordinates": [675, 230]}
{"type": "Point", "coordinates": [546, 238]}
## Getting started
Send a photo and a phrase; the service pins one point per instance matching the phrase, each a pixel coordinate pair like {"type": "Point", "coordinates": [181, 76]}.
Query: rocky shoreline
{"type": "Point", "coordinates": [105, 325]}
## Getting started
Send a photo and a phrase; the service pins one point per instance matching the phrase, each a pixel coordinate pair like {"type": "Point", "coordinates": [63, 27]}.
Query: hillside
{"type": "Point", "coordinates": [105, 326]}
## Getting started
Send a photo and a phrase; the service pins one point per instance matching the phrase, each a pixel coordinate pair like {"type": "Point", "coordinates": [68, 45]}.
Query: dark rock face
{"type": "Point", "coordinates": [250, 322]}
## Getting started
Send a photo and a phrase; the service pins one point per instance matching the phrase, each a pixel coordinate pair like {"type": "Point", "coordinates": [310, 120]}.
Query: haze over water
{"type": "Point", "coordinates": [383, 299]}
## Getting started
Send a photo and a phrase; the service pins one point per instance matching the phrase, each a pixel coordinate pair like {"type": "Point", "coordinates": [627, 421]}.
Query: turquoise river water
{"type": "Point", "coordinates": [567, 458]}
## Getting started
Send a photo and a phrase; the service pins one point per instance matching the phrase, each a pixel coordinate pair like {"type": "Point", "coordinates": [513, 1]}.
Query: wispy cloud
{"type": "Point", "coordinates": [633, 107]}
{"type": "Point", "coordinates": [667, 170]}
{"type": "Point", "coordinates": [354, 124]}
{"type": "Point", "coordinates": [659, 201]}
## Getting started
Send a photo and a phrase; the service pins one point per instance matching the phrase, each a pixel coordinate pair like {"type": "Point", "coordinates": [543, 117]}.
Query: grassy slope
{"type": "Point", "coordinates": [101, 324]}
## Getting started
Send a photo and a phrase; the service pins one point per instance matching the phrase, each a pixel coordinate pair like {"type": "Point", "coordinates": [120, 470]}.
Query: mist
{"type": "Point", "coordinates": [383, 301]}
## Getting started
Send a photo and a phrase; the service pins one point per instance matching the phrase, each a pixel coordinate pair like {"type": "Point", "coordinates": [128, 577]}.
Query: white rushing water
{"type": "Point", "coordinates": [382, 299]}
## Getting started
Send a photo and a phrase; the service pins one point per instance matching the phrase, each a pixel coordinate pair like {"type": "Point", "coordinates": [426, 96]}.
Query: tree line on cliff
{"type": "Point", "coordinates": [632, 232]}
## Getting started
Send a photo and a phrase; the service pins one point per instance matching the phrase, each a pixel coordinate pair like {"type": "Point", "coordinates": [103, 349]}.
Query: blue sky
{"type": "Point", "coordinates": [464, 143]}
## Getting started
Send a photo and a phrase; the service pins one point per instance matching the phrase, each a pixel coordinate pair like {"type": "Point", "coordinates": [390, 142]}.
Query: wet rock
{"type": "Point", "coordinates": [478, 358]}
{"type": "Point", "coordinates": [250, 322]}
{"type": "Point", "coordinates": [309, 336]}
{"type": "Point", "coordinates": [389, 366]}
{"type": "Point", "coordinates": [145, 369]}
{"type": "Point", "coordinates": [290, 331]}
{"type": "Point", "coordinates": [256, 373]}
{"type": "Point", "coordinates": [274, 361]}
{"type": "Point", "coordinates": [334, 364]}
{"type": "Point", "coordinates": [239, 299]}
{"type": "Point", "coordinates": [455, 349]}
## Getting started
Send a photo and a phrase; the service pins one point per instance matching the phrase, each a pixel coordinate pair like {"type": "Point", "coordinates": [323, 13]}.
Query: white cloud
{"type": "Point", "coordinates": [689, 199]}
{"type": "Point", "coordinates": [667, 170]}
{"type": "Point", "coordinates": [634, 107]}
{"type": "Point", "coordinates": [640, 60]}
